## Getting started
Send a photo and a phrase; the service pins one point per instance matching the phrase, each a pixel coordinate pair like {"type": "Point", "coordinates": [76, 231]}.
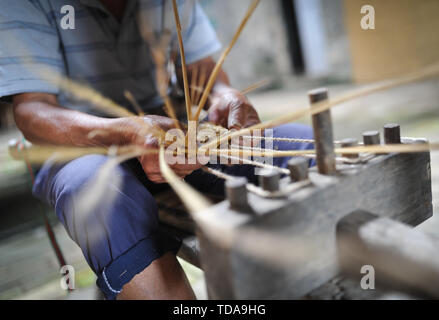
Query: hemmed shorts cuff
{"type": "Point", "coordinates": [121, 270]}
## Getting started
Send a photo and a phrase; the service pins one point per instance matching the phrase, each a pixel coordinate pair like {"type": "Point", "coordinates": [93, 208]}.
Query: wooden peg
{"type": "Point", "coordinates": [323, 135]}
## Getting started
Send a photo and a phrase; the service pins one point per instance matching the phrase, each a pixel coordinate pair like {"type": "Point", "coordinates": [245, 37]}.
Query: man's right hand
{"type": "Point", "coordinates": [145, 136]}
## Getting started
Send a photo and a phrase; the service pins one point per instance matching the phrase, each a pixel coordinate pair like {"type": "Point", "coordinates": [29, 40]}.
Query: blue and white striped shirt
{"type": "Point", "coordinates": [102, 52]}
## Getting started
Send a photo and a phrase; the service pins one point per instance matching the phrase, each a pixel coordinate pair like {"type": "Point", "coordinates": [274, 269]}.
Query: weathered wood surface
{"type": "Point", "coordinates": [402, 257]}
{"type": "Point", "coordinates": [397, 186]}
{"type": "Point", "coordinates": [190, 251]}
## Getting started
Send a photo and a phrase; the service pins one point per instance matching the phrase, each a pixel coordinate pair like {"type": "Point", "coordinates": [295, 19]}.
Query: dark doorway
{"type": "Point", "coordinates": [294, 44]}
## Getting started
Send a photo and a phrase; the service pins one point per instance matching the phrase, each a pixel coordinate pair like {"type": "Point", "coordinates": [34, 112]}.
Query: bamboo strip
{"type": "Point", "coordinates": [219, 64]}
{"type": "Point", "coordinates": [255, 86]}
{"type": "Point", "coordinates": [326, 105]}
{"type": "Point", "coordinates": [193, 85]}
{"type": "Point", "coordinates": [40, 154]}
{"type": "Point", "coordinates": [183, 63]}
{"type": "Point", "coordinates": [391, 148]}
{"type": "Point", "coordinates": [130, 97]}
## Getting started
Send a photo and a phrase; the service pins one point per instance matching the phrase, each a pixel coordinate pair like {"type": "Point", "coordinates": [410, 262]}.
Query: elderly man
{"type": "Point", "coordinates": [121, 241]}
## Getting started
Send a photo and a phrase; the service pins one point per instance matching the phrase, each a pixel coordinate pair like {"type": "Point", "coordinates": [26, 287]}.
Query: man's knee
{"type": "Point", "coordinates": [294, 130]}
{"type": "Point", "coordinates": [80, 176]}
{"type": "Point", "coordinates": [119, 198]}
{"type": "Point", "coordinates": [59, 181]}
{"type": "Point", "coordinates": [122, 213]}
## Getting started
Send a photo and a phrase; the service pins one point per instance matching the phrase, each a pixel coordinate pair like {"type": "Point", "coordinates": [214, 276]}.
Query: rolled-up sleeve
{"type": "Point", "coordinates": [29, 46]}
{"type": "Point", "coordinates": [200, 39]}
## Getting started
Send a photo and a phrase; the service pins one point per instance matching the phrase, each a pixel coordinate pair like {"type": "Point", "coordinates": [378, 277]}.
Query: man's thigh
{"type": "Point", "coordinates": [120, 237]}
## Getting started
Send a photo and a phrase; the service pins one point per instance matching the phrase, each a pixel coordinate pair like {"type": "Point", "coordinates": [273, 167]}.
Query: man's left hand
{"type": "Point", "coordinates": [231, 109]}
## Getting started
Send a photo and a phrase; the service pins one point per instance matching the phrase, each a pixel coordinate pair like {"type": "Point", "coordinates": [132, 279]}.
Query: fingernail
{"type": "Point", "coordinates": [235, 127]}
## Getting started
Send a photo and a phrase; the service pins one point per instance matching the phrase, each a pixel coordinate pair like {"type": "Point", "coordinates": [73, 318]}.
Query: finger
{"type": "Point", "coordinates": [213, 116]}
{"type": "Point", "coordinates": [244, 116]}
{"type": "Point", "coordinates": [183, 174]}
{"type": "Point", "coordinates": [217, 116]}
{"type": "Point", "coordinates": [237, 116]}
{"type": "Point", "coordinates": [186, 167]}
{"type": "Point", "coordinates": [156, 178]}
{"type": "Point", "coordinates": [183, 164]}
{"type": "Point", "coordinates": [251, 122]}
{"type": "Point", "coordinates": [150, 163]}
{"type": "Point", "coordinates": [164, 123]}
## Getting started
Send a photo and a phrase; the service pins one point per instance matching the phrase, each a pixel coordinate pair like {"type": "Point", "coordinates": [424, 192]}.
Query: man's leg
{"type": "Point", "coordinates": [120, 240]}
{"type": "Point", "coordinates": [164, 279]}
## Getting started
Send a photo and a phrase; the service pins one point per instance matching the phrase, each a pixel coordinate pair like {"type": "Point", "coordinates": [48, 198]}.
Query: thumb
{"type": "Point", "coordinates": [236, 117]}
{"type": "Point", "coordinates": [214, 116]}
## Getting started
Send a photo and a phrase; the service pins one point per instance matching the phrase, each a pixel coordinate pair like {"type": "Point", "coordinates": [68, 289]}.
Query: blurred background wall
{"type": "Point", "coordinates": [262, 50]}
{"type": "Point", "coordinates": [405, 37]}
{"type": "Point", "coordinates": [324, 39]}
{"type": "Point", "coordinates": [284, 38]}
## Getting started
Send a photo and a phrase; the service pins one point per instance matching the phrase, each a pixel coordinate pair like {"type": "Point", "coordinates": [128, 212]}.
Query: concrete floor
{"type": "Point", "coordinates": [28, 268]}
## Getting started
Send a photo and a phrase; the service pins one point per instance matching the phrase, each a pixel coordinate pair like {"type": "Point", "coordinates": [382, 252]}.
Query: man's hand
{"type": "Point", "coordinates": [148, 139]}
{"type": "Point", "coordinates": [42, 120]}
{"type": "Point", "coordinates": [227, 107]}
{"type": "Point", "coordinates": [231, 109]}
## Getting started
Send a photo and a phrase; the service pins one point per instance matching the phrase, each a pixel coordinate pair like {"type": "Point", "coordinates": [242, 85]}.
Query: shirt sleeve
{"type": "Point", "coordinates": [29, 45]}
{"type": "Point", "coordinates": [200, 39]}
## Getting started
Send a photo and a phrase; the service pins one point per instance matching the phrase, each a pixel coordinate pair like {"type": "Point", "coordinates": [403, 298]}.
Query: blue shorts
{"type": "Point", "coordinates": [122, 239]}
